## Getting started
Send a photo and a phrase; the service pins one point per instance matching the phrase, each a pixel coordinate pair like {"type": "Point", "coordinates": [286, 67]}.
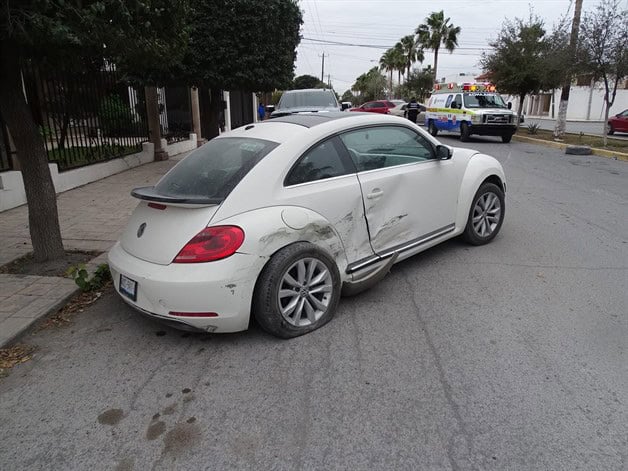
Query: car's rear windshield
{"type": "Point", "coordinates": [304, 99]}
{"type": "Point", "coordinates": [209, 173]}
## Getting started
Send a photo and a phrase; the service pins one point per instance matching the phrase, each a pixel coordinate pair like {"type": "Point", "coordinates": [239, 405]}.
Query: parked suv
{"type": "Point", "coordinates": [304, 101]}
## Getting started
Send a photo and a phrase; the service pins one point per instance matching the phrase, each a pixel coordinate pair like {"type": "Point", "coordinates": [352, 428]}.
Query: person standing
{"type": "Point", "coordinates": [413, 110]}
{"type": "Point", "coordinates": [261, 111]}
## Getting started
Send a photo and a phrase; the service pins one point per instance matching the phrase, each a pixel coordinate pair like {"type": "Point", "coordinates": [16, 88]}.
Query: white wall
{"type": "Point", "coordinates": [578, 107]}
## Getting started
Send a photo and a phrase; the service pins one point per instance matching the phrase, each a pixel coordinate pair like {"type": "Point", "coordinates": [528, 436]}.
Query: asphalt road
{"type": "Point", "coordinates": [508, 356]}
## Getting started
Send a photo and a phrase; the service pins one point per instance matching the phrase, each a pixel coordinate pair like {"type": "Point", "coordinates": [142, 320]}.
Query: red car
{"type": "Point", "coordinates": [377, 106]}
{"type": "Point", "coordinates": [619, 122]}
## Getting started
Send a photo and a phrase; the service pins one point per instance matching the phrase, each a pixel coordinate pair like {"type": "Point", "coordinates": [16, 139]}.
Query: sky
{"type": "Point", "coordinates": [383, 22]}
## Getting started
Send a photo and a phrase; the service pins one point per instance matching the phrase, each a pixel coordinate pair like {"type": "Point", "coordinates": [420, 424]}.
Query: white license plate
{"type": "Point", "coordinates": [128, 287]}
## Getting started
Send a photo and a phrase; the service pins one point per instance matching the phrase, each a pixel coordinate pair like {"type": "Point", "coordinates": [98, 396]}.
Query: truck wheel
{"type": "Point", "coordinates": [464, 132]}
{"type": "Point", "coordinates": [431, 127]}
{"type": "Point", "coordinates": [506, 138]}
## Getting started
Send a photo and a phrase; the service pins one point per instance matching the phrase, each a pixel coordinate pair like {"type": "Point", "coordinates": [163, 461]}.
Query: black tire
{"type": "Point", "coordinates": [470, 234]}
{"type": "Point", "coordinates": [464, 132]}
{"type": "Point", "coordinates": [611, 129]}
{"type": "Point", "coordinates": [506, 138]}
{"type": "Point", "coordinates": [432, 129]}
{"type": "Point", "coordinates": [266, 304]}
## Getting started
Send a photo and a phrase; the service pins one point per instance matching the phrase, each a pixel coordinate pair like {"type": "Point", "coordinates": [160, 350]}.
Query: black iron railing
{"type": "Point", "coordinates": [85, 116]}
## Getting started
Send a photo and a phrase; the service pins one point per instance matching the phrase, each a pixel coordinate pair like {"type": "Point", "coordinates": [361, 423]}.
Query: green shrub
{"type": "Point", "coordinates": [114, 117]}
{"type": "Point", "coordinates": [82, 279]}
{"type": "Point", "coordinates": [533, 128]}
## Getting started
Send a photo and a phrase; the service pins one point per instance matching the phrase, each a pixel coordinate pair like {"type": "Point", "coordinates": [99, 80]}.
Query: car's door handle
{"type": "Point", "coordinates": [376, 193]}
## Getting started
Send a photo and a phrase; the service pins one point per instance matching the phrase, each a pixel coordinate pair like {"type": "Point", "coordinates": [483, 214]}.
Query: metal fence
{"type": "Point", "coordinates": [177, 124]}
{"type": "Point", "coordinates": [6, 162]}
{"type": "Point", "coordinates": [85, 116]}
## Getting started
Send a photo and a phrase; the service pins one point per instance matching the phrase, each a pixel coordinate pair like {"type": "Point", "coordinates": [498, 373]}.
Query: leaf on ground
{"type": "Point", "coordinates": [75, 305]}
{"type": "Point", "coordinates": [19, 353]}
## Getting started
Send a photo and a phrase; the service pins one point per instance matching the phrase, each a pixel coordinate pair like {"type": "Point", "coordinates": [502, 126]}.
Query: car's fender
{"type": "Point", "coordinates": [479, 168]}
{"type": "Point", "coordinates": [269, 229]}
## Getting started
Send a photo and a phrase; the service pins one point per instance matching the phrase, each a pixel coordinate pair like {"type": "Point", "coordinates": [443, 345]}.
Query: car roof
{"type": "Point", "coordinates": [309, 120]}
{"type": "Point", "coordinates": [309, 90]}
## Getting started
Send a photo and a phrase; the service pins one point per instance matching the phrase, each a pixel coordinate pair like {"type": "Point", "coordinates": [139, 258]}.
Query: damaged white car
{"type": "Point", "coordinates": [278, 219]}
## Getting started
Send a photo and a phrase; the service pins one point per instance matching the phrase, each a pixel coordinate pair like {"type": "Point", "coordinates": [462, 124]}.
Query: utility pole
{"type": "Point", "coordinates": [561, 121]}
{"type": "Point", "coordinates": [322, 67]}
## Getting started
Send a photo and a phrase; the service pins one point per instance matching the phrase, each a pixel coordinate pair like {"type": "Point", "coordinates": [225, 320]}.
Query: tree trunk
{"type": "Point", "coordinates": [64, 130]}
{"type": "Point", "coordinates": [522, 97]}
{"type": "Point", "coordinates": [435, 64]}
{"type": "Point", "coordinates": [154, 125]}
{"type": "Point", "coordinates": [41, 197]}
{"type": "Point", "coordinates": [561, 121]}
{"type": "Point", "coordinates": [607, 107]}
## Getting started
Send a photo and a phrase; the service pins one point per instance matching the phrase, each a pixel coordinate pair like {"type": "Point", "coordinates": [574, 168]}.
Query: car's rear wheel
{"type": "Point", "coordinates": [611, 129]}
{"type": "Point", "coordinates": [464, 132]}
{"type": "Point", "coordinates": [486, 215]}
{"type": "Point", "coordinates": [506, 138]}
{"type": "Point", "coordinates": [432, 129]}
{"type": "Point", "coordinates": [297, 292]}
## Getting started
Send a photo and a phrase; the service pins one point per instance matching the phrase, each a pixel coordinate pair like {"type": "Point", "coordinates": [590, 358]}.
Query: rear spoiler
{"type": "Point", "coordinates": [148, 193]}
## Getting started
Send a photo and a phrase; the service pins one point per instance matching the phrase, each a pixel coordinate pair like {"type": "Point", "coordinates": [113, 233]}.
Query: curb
{"type": "Point", "coordinates": [51, 310]}
{"type": "Point", "coordinates": [609, 154]}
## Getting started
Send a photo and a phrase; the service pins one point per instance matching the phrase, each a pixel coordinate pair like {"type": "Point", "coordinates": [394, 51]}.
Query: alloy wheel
{"type": "Point", "coordinates": [305, 292]}
{"type": "Point", "coordinates": [486, 214]}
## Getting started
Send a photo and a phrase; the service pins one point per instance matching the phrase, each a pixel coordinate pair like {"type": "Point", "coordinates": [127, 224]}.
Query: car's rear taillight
{"type": "Point", "coordinates": [212, 243]}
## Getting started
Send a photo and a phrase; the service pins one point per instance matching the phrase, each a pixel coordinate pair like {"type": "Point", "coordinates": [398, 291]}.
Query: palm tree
{"type": "Point", "coordinates": [412, 52]}
{"type": "Point", "coordinates": [387, 62]}
{"type": "Point", "coordinates": [399, 59]}
{"type": "Point", "coordinates": [437, 31]}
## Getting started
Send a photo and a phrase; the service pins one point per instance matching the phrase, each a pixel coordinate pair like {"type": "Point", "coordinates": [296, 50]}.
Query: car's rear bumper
{"type": "Point", "coordinates": [224, 287]}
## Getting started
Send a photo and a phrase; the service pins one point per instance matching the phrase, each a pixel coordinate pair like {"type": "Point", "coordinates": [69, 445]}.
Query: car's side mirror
{"type": "Point", "coordinates": [443, 152]}
{"type": "Point", "coordinates": [509, 105]}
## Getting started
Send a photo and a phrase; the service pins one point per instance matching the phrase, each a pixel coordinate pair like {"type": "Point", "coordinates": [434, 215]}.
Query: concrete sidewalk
{"type": "Point", "coordinates": [91, 218]}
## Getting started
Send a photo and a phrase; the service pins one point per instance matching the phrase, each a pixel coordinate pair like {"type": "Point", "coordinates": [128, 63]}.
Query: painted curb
{"type": "Point", "coordinates": [609, 154]}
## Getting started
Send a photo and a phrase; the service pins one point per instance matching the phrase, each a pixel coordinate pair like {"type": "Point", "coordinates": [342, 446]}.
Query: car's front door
{"type": "Point", "coordinates": [623, 121]}
{"type": "Point", "coordinates": [408, 194]}
{"type": "Point", "coordinates": [324, 180]}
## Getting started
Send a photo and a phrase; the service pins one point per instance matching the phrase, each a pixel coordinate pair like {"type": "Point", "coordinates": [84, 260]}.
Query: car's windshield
{"type": "Point", "coordinates": [304, 99]}
{"type": "Point", "coordinates": [213, 170]}
{"type": "Point", "coordinates": [483, 100]}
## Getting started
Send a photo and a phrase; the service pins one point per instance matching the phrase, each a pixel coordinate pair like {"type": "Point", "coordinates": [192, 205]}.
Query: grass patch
{"type": "Point", "coordinates": [616, 145]}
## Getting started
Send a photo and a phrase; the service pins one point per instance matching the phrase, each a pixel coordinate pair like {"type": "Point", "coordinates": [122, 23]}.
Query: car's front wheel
{"type": "Point", "coordinates": [506, 138]}
{"type": "Point", "coordinates": [297, 292]}
{"type": "Point", "coordinates": [611, 129]}
{"type": "Point", "coordinates": [486, 215]}
{"type": "Point", "coordinates": [432, 129]}
{"type": "Point", "coordinates": [465, 132]}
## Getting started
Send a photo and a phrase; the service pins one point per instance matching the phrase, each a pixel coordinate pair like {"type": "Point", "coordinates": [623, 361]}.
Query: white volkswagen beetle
{"type": "Point", "coordinates": [278, 219]}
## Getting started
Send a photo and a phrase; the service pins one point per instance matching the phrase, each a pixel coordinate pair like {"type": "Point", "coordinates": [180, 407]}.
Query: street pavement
{"type": "Point", "coordinates": [507, 356]}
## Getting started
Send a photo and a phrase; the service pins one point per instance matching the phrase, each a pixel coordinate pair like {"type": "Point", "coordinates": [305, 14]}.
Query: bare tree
{"type": "Point", "coordinates": [603, 40]}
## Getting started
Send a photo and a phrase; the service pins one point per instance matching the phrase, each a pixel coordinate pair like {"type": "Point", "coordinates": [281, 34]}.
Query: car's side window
{"type": "Point", "coordinates": [320, 162]}
{"type": "Point", "coordinates": [386, 146]}
{"type": "Point", "coordinates": [368, 105]}
{"type": "Point", "coordinates": [377, 104]}
{"type": "Point", "coordinates": [448, 102]}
